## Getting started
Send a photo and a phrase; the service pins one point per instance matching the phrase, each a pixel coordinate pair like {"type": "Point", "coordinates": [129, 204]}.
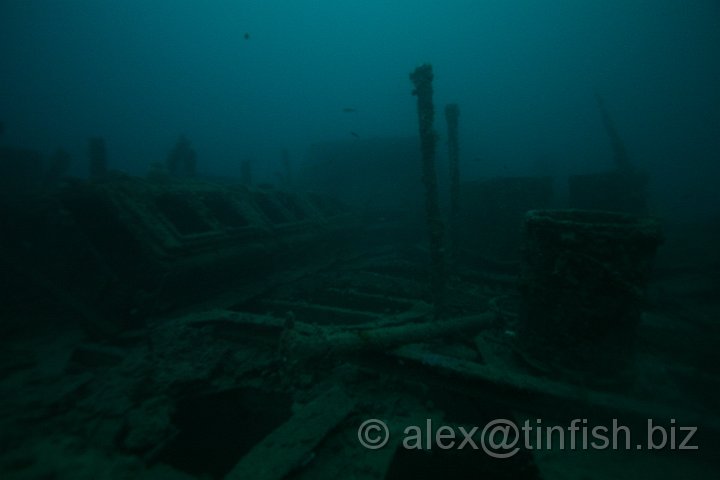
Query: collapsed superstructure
{"type": "Point", "coordinates": [119, 250]}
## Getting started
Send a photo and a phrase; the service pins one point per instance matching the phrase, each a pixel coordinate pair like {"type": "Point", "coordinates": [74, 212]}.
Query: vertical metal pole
{"type": "Point", "coordinates": [422, 78]}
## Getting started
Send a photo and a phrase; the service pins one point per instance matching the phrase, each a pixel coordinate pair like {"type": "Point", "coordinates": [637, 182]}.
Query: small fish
{"type": "Point", "coordinates": [246, 36]}
{"type": "Point", "coordinates": [349, 110]}
{"type": "Point", "coordinates": [354, 134]}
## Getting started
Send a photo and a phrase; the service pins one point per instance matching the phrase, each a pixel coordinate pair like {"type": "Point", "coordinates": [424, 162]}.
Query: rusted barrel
{"type": "Point", "coordinates": [583, 288]}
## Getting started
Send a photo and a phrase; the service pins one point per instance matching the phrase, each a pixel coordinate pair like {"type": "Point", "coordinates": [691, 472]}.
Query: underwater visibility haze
{"type": "Point", "coordinates": [234, 232]}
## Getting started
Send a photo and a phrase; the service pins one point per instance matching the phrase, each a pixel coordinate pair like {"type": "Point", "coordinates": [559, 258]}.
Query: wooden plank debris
{"type": "Point", "coordinates": [290, 446]}
{"type": "Point", "coordinates": [299, 340]}
{"type": "Point", "coordinates": [299, 346]}
{"type": "Point", "coordinates": [528, 390]}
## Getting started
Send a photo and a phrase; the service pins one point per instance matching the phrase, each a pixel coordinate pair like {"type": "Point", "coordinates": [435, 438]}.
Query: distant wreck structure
{"type": "Point", "coordinates": [182, 159]}
{"type": "Point", "coordinates": [622, 189]}
{"type": "Point", "coordinates": [377, 176]}
{"type": "Point", "coordinates": [493, 216]}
